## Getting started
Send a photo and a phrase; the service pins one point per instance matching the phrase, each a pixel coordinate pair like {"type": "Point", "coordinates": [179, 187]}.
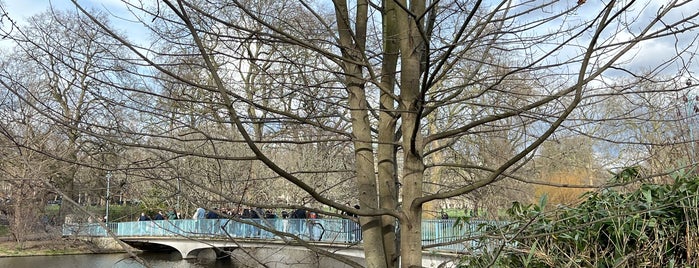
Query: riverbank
{"type": "Point", "coordinates": [49, 246]}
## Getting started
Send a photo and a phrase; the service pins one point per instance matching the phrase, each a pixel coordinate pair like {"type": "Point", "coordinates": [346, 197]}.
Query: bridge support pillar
{"type": "Point", "coordinates": [206, 255]}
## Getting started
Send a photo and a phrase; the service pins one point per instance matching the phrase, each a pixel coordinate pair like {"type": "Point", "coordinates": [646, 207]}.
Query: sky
{"type": "Point", "coordinates": [643, 57]}
{"type": "Point", "coordinates": [647, 54]}
{"type": "Point", "coordinates": [20, 10]}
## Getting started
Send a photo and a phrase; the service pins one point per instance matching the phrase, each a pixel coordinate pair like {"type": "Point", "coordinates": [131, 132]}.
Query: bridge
{"type": "Point", "coordinates": [197, 238]}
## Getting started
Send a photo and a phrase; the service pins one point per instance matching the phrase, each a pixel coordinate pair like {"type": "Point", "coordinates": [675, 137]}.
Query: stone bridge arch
{"type": "Point", "coordinates": [188, 248]}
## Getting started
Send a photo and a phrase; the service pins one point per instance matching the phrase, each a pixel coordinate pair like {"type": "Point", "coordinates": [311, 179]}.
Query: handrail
{"type": "Point", "coordinates": [345, 231]}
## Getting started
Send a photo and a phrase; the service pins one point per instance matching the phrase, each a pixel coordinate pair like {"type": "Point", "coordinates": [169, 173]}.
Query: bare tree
{"type": "Point", "coordinates": [24, 171]}
{"type": "Point", "coordinates": [394, 82]}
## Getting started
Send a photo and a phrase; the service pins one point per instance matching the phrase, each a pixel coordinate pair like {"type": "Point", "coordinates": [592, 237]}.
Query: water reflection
{"type": "Point", "coordinates": [159, 260]}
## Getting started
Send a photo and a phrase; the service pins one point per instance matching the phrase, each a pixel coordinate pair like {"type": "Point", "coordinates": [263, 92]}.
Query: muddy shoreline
{"type": "Point", "coordinates": [56, 245]}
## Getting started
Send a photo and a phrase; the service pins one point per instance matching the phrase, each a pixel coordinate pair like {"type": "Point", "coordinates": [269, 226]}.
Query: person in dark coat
{"type": "Point", "coordinates": [297, 221]}
{"type": "Point", "coordinates": [159, 216]}
{"type": "Point", "coordinates": [257, 214]}
{"type": "Point", "coordinates": [351, 225]}
{"type": "Point", "coordinates": [143, 217]}
{"type": "Point", "coordinates": [211, 214]}
{"type": "Point", "coordinates": [357, 227]}
{"type": "Point", "coordinates": [269, 221]}
{"type": "Point", "coordinates": [299, 214]}
{"type": "Point", "coordinates": [246, 215]}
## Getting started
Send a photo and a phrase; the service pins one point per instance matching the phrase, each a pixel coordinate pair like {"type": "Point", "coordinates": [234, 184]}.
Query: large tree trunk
{"type": "Point", "coordinates": [413, 170]}
{"type": "Point", "coordinates": [412, 52]}
{"type": "Point", "coordinates": [387, 148]}
{"type": "Point", "coordinates": [366, 178]}
{"type": "Point", "coordinates": [413, 167]}
{"type": "Point", "coordinates": [353, 44]}
{"type": "Point", "coordinates": [411, 232]}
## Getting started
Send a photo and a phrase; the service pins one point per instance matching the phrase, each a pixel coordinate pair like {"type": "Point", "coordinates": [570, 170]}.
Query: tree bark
{"type": "Point", "coordinates": [411, 99]}
{"type": "Point", "coordinates": [352, 44]}
{"type": "Point", "coordinates": [387, 148]}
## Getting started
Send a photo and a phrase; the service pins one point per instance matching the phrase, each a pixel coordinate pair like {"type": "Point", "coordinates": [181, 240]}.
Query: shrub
{"type": "Point", "coordinates": [652, 226]}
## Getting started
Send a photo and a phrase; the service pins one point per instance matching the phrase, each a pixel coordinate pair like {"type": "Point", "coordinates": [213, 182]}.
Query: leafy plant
{"type": "Point", "coordinates": [653, 226]}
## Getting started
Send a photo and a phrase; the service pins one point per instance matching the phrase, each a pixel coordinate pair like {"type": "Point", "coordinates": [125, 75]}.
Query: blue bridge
{"type": "Point", "coordinates": [189, 237]}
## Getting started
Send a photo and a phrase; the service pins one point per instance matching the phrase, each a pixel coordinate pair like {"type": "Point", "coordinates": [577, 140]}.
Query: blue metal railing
{"type": "Point", "coordinates": [457, 238]}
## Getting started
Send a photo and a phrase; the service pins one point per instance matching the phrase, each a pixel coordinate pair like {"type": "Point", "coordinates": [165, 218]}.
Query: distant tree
{"type": "Point", "coordinates": [566, 166]}
{"type": "Point", "coordinates": [60, 65]}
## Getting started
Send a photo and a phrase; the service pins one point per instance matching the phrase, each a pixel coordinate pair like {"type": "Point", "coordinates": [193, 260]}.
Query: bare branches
{"type": "Point", "coordinates": [301, 103]}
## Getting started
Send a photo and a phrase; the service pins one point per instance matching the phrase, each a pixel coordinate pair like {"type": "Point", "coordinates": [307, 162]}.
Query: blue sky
{"type": "Point", "coordinates": [647, 54]}
{"type": "Point", "coordinates": [119, 15]}
{"type": "Point", "coordinates": [21, 9]}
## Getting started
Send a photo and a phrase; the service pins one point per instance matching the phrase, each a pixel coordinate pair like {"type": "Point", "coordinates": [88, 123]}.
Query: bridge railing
{"type": "Point", "coordinates": [326, 230]}
{"type": "Point", "coordinates": [87, 229]}
{"type": "Point", "coordinates": [452, 235]}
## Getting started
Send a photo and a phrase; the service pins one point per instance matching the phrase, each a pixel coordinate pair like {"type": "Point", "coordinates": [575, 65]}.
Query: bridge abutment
{"type": "Point", "coordinates": [204, 255]}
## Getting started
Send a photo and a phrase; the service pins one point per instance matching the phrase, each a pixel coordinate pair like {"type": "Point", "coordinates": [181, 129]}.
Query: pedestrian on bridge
{"type": "Point", "coordinates": [200, 214]}
{"type": "Point", "coordinates": [311, 222]}
{"type": "Point", "coordinates": [357, 229]}
{"type": "Point", "coordinates": [143, 217]}
{"type": "Point", "coordinates": [159, 216]}
{"type": "Point", "coordinates": [297, 221]}
{"type": "Point", "coordinates": [351, 226]}
{"type": "Point", "coordinates": [143, 227]}
{"type": "Point", "coordinates": [171, 214]}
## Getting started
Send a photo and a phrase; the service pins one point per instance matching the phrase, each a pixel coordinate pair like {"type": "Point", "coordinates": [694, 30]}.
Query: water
{"type": "Point", "coordinates": [160, 260]}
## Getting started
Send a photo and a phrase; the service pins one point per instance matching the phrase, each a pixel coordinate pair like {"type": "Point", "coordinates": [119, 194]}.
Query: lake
{"type": "Point", "coordinates": [164, 260]}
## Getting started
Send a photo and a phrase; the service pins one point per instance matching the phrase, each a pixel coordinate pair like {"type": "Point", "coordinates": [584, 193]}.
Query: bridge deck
{"type": "Point", "coordinates": [334, 231]}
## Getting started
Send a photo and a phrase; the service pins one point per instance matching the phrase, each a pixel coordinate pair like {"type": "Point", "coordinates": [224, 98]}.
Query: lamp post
{"type": "Point", "coordinates": [178, 194]}
{"type": "Point", "coordinates": [106, 216]}
{"type": "Point", "coordinates": [691, 110]}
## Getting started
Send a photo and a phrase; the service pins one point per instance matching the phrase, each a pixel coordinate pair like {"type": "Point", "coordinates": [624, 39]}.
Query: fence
{"type": "Point", "coordinates": [449, 236]}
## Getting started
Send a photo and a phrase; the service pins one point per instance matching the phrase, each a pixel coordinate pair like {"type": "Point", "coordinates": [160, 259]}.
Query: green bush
{"type": "Point", "coordinates": [4, 230]}
{"type": "Point", "coordinates": [116, 212]}
{"type": "Point", "coordinates": [653, 226]}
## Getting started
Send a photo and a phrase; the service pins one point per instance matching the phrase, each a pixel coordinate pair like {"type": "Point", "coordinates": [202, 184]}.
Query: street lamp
{"type": "Point", "coordinates": [106, 216]}
{"type": "Point", "coordinates": [178, 194]}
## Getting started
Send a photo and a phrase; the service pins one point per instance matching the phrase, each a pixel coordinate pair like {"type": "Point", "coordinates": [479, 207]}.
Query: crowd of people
{"type": "Point", "coordinates": [303, 222]}
{"type": "Point", "coordinates": [171, 214]}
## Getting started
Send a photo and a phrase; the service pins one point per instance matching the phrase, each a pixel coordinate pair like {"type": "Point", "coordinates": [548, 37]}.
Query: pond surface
{"type": "Point", "coordinates": [159, 260]}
